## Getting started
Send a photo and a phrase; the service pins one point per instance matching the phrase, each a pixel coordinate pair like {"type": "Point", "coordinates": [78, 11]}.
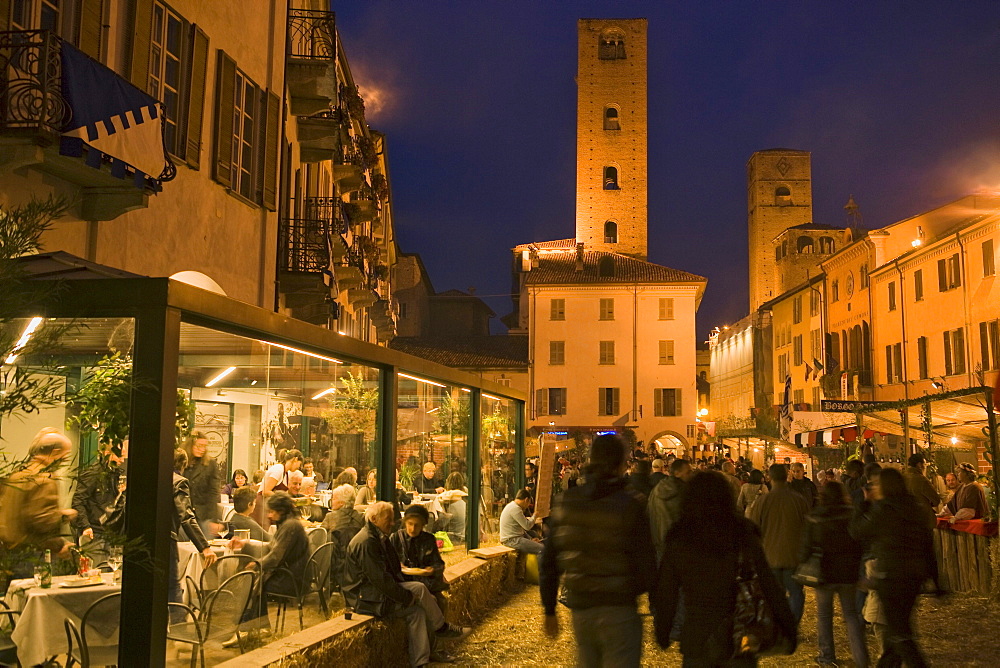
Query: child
{"type": "Point", "coordinates": [418, 553]}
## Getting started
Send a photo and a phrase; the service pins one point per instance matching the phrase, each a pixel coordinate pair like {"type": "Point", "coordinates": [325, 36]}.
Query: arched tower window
{"type": "Point", "coordinates": [782, 196]}
{"type": "Point", "coordinates": [611, 178]}
{"type": "Point", "coordinates": [611, 45]}
{"type": "Point", "coordinates": [611, 232]}
{"type": "Point", "coordinates": [805, 244]}
{"type": "Point", "coordinates": [827, 245]}
{"type": "Point", "coordinates": [611, 119]}
{"type": "Point", "coordinates": [606, 267]}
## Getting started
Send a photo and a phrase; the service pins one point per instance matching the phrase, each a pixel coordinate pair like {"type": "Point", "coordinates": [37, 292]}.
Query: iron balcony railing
{"type": "Point", "coordinates": [31, 82]}
{"type": "Point", "coordinates": [328, 209]}
{"type": "Point", "coordinates": [306, 245]}
{"type": "Point", "coordinates": [312, 34]}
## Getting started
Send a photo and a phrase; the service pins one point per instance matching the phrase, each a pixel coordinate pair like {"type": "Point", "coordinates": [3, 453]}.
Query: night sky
{"type": "Point", "coordinates": [899, 103]}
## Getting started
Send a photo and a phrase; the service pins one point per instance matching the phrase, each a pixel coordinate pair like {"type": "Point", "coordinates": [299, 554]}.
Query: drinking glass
{"type": "Point", "coordinates": [115, 561]}
{"type": "Point", "coordinates": [39, 572]}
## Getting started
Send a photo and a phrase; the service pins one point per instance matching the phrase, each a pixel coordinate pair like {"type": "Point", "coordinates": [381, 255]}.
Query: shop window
{"type": "Point", "coordinates": [611, 119]}
{"type": "Point", "coordinates": [611, 178]}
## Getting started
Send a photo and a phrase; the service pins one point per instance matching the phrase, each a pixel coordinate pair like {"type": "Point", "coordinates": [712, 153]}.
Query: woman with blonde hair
{"type": "Point", "coordinates": [202, 474]}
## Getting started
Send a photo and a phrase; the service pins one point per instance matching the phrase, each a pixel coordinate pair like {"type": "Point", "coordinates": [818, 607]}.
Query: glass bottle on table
{"type": "Point", "coordinates": [47, 571]}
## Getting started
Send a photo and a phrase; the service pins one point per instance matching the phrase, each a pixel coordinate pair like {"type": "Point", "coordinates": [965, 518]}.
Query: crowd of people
{"type": "Point", "coordinates": [716, 542]}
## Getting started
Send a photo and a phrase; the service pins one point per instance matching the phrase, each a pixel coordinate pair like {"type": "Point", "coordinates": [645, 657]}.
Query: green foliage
{"type": "Point", "coordinates": [453, 416]}
{"type": "Point", "coordinates": [353, 407]}
{"type": "Point", "coordinates": [185, 416]}
{"type": "Point", "coordinates": [102, 402]}
{"type": "Point", "coordinates": [496, 425]}
{"type": "Point", "coordinates": [34, 383]}
{"type": "Point", "coordinates": [407, 474]}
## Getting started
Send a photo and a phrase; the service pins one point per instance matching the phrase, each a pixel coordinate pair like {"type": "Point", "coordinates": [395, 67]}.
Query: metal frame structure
{"type": "Point", "coordinates": [159, 306]}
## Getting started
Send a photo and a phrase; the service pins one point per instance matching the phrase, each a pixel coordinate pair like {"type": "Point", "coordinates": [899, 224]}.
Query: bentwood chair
{"type": "Point", "coordinates": [213, 576]}
{"type": "Point", "coordinates": [8, 650]}
{"type": "Point", "coordinates": [218, 620]}
{"type": "Point", "coordinates": [103, 619]}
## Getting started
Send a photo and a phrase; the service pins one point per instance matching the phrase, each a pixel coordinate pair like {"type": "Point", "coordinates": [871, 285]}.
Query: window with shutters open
{"type": "Point", "coordinates": [954, 351]}
{"type": "Point", "coordinates": [989, 343]}
{"type": "Point", "coordinates": [922, 357]}
{"type": "Point", "coordinates": [246, 135]}
{"type": "Point", "coordinates": [607, 400]}
{"type": "Point", "coordinates": [667, 402]}
{"type": "Point", "coordinates": [949, 273]}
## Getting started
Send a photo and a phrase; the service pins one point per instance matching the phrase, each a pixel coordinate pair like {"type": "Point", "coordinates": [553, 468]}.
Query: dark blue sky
{"type": "Point", "coordinates": [899, 103]}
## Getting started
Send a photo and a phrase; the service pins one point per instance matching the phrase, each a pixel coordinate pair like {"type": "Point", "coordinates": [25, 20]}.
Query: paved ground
{"type": "Point", "coordinates": [957, 631]}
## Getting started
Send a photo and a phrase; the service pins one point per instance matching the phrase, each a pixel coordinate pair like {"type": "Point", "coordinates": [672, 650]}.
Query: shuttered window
{"type": "Point", "coordinates": [607, 309]}
{"type": "Point", "coordinates": [90, 22]}
{"type": "Point", "coordinates": [954, 352]}
{"type": "Point", "coordinates": [557, 352]}
{"type": "Point", "coordinates": [667, 402]}
{"type": "Point", "coordinates": [607, 352]}
{"type": "Point", "coordinates": [225, 82]}
{"type": "Point", "coordinates": [666, 352]}
{"type": "Point", "coordinates": [607, 400]}
{"type": "Point", "coordinates": [666, 308]}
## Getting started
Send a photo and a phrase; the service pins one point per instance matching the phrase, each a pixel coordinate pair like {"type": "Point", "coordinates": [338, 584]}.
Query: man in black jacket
{"type": "Point", "coordinates": [373, 585]}
{"type": "Point", "coordinates": [96, 497]}
{"type": "Point", "coordinates": [601, 542]}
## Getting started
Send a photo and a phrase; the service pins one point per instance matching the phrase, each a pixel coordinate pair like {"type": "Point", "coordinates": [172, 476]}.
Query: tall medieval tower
{"type": "Point", "coordinates": [779, 196]}
{"type": "Point", "coordinates": [611, 178]}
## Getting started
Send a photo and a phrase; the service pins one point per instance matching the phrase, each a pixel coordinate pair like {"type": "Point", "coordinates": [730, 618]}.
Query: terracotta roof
{"type": "Point", "coordinates": [467, 352]}
{"type": "Point", "coordinates": [560, 268]}
{"type": "Point", "coordinates": [559, 243]}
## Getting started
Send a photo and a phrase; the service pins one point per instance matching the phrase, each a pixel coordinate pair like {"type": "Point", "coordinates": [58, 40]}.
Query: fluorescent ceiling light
{"type": "Point", "coordinates": [329, 390]}
{"type": "Point", "coordinates": [222, 374]}
{"type": "Point", "coordinates": [434, 410]}
{"type": "Point", "coordinates": [303, 352]}
{"type": "Point", "coordinates": [25, 336]}
{"type": "Point", "coordinates": [490, 396]}
{"type": "Point", "coordinates": [419, 380]}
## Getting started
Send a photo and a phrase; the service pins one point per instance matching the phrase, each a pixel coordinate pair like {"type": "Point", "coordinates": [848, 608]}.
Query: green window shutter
{"type": "Point", "coordinates": [271, 151]}
{"type": "Point", "coordinates": [947, 354]}
{"type": "Point", "coordinates": [91, 17]}
{"type": "Point", "coordinates": [658, 402]}
{"type": "Point", "coordinates": [225, 83]}
{"type": "Point", "coordinates": [541, 402]}
{"type": "Point", "coordinates": [4, 15]}
{"type": "Point", "coordinates": [141, 36]}
{"type": "Point", "coordinates": [196, 96]}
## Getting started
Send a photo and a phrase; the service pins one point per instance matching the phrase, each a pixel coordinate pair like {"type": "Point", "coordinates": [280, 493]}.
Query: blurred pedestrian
{"type": "Point", "coordinates": [751, 492]}
{"type": "Point", "coordinates": [801, 483]}
{"type": "Point", "coordinates": [917, 483]}
{"type": "Point", "coordinates": [664, 506]}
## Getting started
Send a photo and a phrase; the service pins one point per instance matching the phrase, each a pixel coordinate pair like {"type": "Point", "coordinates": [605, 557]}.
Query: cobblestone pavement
{"type": "Point", "coordinates": [960, 630]}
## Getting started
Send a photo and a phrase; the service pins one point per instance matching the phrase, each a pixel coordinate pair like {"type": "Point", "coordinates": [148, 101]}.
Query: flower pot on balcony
{"type": "Point", "coordinates": [348, 177]}
{"type": "Point", "coordinates": [360, 211]}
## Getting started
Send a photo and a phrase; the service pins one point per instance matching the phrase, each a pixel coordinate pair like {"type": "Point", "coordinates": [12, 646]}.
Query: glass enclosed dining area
{"type": "Point", "coordinates": [185, 489]}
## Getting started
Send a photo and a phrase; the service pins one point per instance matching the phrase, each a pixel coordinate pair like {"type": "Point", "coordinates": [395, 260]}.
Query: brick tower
{"type": "Point", "coordinates": [611, 136]}
{"type": "Point", "coordinates": [779, 196]}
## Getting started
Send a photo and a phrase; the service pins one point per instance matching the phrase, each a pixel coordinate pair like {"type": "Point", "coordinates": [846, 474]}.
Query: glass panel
{"type": "Point", "coordinates": [64, 425]}
{"type": "Point", "coordinates": [498, 464]}
{"type": "Point", "coordinates": [432, 430]}
{"type": "Point", "coordinates": [269, 420]}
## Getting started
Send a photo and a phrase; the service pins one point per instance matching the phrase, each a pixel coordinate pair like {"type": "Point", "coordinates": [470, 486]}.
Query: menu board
{"type": "Point", "coordinates": [546, 469]}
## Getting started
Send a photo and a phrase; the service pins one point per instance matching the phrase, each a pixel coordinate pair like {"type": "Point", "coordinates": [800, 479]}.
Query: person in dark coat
{"type": "Point", "coordinates": [373, 584]}
{"type": "Point", "coordinates": [282, 568]}
{"type": "Point", "coordinates": [600, 541]}
{"type": "Point", "coordinates": [641, 478]}
{"type": "Point", "coordinates": [183, 521]}
{"type": "Point", "coordinates": [202, 473]}
{"type": "Point", "coordinates": [899, 530]}
{"type": "Point", "coordinates": [827, 534]}
{"type": "Point", "coordinates": [417, 549]}
{"type": "Point", "coordinates": [700, 563]}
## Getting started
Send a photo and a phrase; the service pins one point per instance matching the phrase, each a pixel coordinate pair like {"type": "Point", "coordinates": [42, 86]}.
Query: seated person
{"type": "Point", "coordinates": [309, 469]}
{"type": "Point", "coordinates": [239, 480]}
{"type": "Point", "coordinates": [969, 502]}
{"type": "Point", "coordinates": [342, 516]}
{"type": "Point", "coordinates": [366, 495]}
{"type": "Point", "coordinates": [428, 482]}
{"type": "Point", "coordinates": [454, 496]}
{"type": "Point", "coordinates": [244, 503]}
{"type": "Point", "coordinates": [348, 476]}
{"type": "Point", "coordinates": [373, 585]}
{"type": "Point", "coordinates": [417, 548]}
{"type": "Point", "coordinates": [295, 484]}
{"type": "Point", "coordinates": [514, 525]}
{"type": "Point", "coordinates": [289, 550]}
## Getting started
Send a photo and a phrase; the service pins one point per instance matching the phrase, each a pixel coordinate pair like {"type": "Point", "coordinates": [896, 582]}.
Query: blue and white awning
{"type": "Point", "coordinates": [114, 117]}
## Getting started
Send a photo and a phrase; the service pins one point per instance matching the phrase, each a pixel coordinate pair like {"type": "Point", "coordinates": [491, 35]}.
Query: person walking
{"type": "Point", "coordinates": [917, 483]}
{"type": "Point", "coordinates": [664, 506]}
{"type": "Point", "coordinates": [703, 551]}
{"type": "Point", "coordinates": [202, 474]}
{"type": "Point", "coordinates": [751, 492]}
{"type": "Point", "coordinates": [827, 535]}
{"type": "Point", "coordinates": [801, 483]}
{"type": "Point", "coordinates": [600, 541]}
{"type": "Point", "coordinates": [900, 531]}
{"type": "Point", "coordinates": [781, 517]}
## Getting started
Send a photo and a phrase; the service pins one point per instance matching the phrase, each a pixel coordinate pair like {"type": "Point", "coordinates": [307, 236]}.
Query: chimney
{"type": "Point", "coordinates": [579, 256]}
{"type": "Point", "coordinates": [534, 257]}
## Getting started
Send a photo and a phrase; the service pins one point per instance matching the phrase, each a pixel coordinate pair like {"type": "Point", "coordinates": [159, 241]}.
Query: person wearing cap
{"type": "Point", "coordinates": [418, 550]}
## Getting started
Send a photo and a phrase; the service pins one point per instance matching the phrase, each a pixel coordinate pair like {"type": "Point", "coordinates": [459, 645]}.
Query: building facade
{"type": "Point", "coordinates": [611, 137]}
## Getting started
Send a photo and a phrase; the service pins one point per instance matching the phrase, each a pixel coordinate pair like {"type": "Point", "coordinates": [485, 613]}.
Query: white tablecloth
{"type": "Point", "coordinates": [40, 633]}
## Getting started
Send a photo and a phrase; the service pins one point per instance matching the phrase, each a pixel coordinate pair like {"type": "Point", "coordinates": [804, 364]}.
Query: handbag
{"type": "Point", "coordinates": [755, 631]}
{"type": "Point", "coordinates": [810, 572]}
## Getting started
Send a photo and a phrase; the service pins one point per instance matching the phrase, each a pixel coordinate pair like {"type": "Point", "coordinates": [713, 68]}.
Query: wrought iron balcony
{"type": "Point", "coordinates": [36, 113]}
{"type": "Point", "coordinates": [311, 56]}
{"type": "Point", "coordinates": [306, 245]}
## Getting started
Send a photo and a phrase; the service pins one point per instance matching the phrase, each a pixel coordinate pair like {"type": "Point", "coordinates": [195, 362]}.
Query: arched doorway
{"type": "Point", "coordinates": [671, 441]}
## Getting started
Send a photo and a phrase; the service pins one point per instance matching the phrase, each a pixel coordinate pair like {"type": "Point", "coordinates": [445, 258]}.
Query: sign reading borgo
{"type": "Point", "coordinates": [838, 406]}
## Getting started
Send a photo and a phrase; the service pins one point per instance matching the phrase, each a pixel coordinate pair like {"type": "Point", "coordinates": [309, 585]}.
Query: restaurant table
{"type": "Point", "coordinates": [432, 502]}
{"type": "Point", "coordinates": [40, 633]}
